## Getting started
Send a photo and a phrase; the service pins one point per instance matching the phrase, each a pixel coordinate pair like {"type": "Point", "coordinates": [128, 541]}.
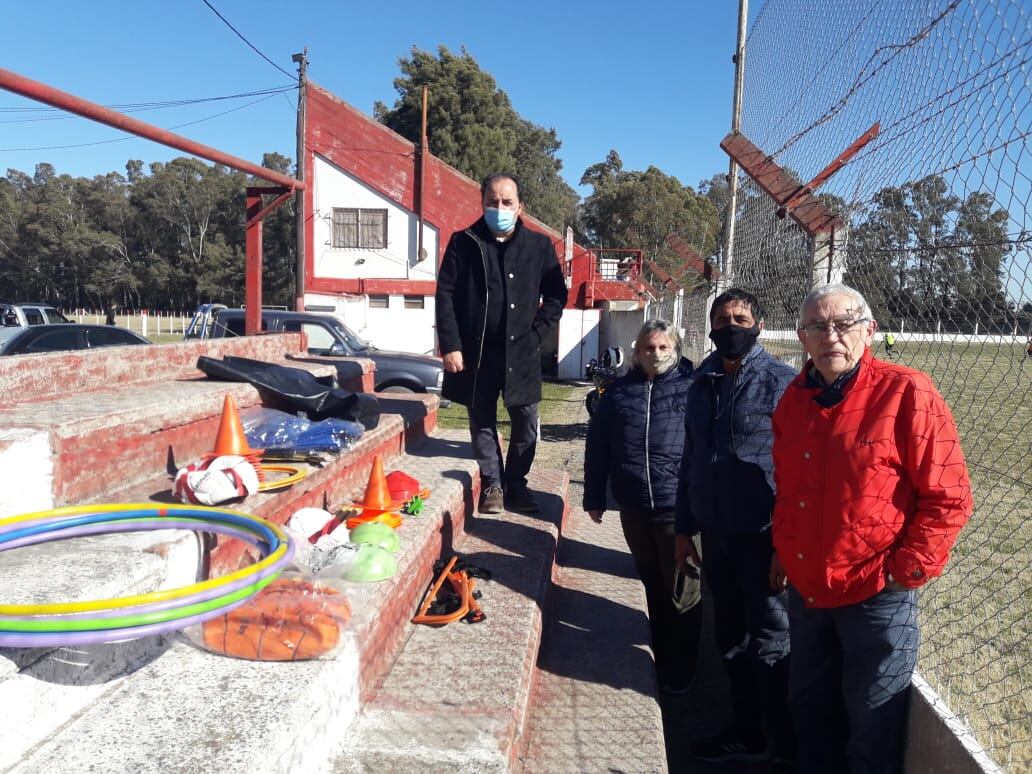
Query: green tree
{"type": "Point", "coordinates": [639, 209]}
{"type": "Point", "coordinates": [472, 125]}
{"type": "Point", "coordinates": [279, 243]}
{"type": "Point", "coordinates": [923, 255]}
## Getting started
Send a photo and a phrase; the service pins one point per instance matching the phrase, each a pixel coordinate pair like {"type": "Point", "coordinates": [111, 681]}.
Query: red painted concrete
{"type": "Point", "coordinates": [29, 378]}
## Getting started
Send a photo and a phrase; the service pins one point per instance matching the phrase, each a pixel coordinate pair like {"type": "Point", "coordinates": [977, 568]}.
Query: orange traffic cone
{"type": "Point", "coordinates": [377, 494]}
{"type": "Point", "coordinates": [230, 439]}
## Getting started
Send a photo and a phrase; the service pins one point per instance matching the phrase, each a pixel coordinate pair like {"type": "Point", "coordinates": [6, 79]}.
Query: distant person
{"type": "Point", "coordinates": [634, 444]}
{"type": "Point", "coordinates": [890, 344]}
{"type": "Point", "coordinates": [500, 293]}
{"type": "Point", "coordinates": [110, 318]}
{"type": "Point", "coordinates": [726, 492]}
{"type": "Point", "coordinates": [872, 492]}
{"type": "Point", "coordinates": [1028, 349]}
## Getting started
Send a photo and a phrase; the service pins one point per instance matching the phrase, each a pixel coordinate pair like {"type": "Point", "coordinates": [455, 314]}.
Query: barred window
{"type": "Point", "coordinates": [379, 301]}
{"type": "Point", "coordinates": [415, 302]}
{"type": "Point", "coordinates": [353, 227]}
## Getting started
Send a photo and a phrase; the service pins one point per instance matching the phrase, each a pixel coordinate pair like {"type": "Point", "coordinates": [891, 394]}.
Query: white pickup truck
{"type": "Point", "coordinates": [14, 318]}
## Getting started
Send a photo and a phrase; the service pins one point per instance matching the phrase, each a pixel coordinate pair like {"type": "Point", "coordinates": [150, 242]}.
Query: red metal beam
{"type": "Point", "coordinates": [823, 176]}
{"type": "Point", "coordinates": [807, 210]}
{"type": "Point", "coordinates": [693, 260]}
{"type": "Point", "coordinates": [48, 95]}
{"type": "Point", "coordinates": [284, 194]}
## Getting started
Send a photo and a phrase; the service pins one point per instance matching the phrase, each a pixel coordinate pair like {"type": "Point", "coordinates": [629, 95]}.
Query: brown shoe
{"type": "Point", "coordinates": [492, 500]}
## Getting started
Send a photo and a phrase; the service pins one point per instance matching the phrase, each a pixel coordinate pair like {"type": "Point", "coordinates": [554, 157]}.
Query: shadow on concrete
{"type": "Point", "coordinates": [585, 556]}
{"type": "Point", "coordinates": [563, 433]}
{"type": "Point", "coordinates": [585, 639]}
{"type": "Point", "coordinates": [89, 664]}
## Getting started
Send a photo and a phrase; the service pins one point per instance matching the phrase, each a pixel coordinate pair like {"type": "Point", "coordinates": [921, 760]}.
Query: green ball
{"type": "Point", "coordinates": [372, 564]}
{"type": "Point", "coordinates": [376, 533]}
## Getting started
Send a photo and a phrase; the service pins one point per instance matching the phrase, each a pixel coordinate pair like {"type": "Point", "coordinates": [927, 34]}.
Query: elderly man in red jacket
{"type": "Point", "coordinates": [872, 491]}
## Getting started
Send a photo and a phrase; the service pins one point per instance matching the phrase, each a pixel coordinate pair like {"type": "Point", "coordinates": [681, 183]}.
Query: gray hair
{"type": "Point", "coordinates": [835, 289]}
{"type": "Point", "coordinates": [656, 326]}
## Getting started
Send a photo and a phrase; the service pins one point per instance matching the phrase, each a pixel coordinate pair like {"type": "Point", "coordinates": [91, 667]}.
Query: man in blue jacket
{"type": "Point", "coordinates": [726, 492]}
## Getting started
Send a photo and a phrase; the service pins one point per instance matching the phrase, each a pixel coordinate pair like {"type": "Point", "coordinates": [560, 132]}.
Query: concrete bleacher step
{"type": "Point", "coordinates": [457, 697]}
{"type": "Point", "coordinates": [595, 704]}
{"type": "Point", "coordinates": [93, 439]}
{"type": "Point", "coordinates": [163, 705]}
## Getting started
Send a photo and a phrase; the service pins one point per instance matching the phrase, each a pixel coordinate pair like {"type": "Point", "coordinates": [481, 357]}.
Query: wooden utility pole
{"type": "Point", "coordinates": [299, 196]}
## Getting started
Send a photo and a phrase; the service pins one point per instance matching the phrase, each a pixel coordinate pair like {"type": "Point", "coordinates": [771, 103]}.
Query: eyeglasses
{"type": "Point", "coordinates": [841, 327]}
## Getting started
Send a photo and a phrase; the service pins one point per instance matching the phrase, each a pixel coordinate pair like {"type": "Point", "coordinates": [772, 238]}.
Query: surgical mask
{"type": "Point", "coordinates": [661, 362]}
{"type": "Point", "coordinates": [733, 341]}
{"type": "Point", "coordinates": [500, 221]}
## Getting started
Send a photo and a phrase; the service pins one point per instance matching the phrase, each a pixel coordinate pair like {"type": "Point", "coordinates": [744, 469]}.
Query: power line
{"type": "Point", "coordinates": [134, 137]}
{"type": "Point", "coordinates": [139, 107]}
{"type": "Point", "coordinates": [249, 43]}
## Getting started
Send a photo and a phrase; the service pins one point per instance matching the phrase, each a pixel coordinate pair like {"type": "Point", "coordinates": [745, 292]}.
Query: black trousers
{"type": "Point", "coordinates": [751, 626]}
{"type": "Point", "coordinates": [675, 636]}
{"type": "Point", "coordinates": [483, 432]}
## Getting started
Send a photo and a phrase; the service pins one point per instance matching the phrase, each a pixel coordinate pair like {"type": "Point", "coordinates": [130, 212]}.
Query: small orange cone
{"type": "Point", "coordinates": [377, 494]}
{"type": "Point", "coordinates": [230, 439]}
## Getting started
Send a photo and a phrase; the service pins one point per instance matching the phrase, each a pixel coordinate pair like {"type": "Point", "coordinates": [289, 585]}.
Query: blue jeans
{"type": "Point", "coordinates": [849, 682]}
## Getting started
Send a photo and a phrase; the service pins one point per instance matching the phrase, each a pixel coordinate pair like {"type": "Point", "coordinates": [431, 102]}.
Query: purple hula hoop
{"type": "Point", "coordinates": [165, 523]}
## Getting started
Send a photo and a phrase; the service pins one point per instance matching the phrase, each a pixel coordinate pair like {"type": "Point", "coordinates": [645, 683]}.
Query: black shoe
{"type": "Point", "coordinates": [520, 500]}
{"type": "Point", "coordinates": [675, 687]}
{"type": "Point", "coordinates": [491, 500]}
{"type": "Point", "coordinates": [729, 745]}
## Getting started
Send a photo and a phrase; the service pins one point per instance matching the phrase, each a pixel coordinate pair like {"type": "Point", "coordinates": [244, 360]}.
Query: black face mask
{"type": "Point", "coordinates": [733, 341]}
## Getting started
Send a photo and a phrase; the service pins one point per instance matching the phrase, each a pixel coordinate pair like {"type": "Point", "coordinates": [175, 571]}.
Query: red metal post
{"type": "Point", "coordinates": [253, 265]}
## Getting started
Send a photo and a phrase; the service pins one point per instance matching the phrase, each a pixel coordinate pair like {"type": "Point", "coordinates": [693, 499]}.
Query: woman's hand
{"type": "Point", "coordinates": [596, 516]}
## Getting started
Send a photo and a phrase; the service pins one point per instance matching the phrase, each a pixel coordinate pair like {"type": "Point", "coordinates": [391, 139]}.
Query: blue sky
{"type": "Point", "coordinates": [651, 79]}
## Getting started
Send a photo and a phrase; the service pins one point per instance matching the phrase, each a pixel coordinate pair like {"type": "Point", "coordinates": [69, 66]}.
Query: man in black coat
{"type": "Point", "coordinates": [500, 293]}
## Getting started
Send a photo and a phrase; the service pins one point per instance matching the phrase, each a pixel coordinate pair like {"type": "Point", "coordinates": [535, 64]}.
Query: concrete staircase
{"type": "Point", "coordinates": [397, 697]}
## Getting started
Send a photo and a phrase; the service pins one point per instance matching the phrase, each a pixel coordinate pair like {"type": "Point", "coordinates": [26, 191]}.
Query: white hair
{"type": "Point", "coordinates": [835, 289]}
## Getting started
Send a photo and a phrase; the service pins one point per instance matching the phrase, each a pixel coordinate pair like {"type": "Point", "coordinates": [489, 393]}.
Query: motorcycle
{"type": "Point", "coordinates": [602, 374]}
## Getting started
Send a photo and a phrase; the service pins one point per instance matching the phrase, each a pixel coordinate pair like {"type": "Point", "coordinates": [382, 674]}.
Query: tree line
{"type": "Point", "coordinates": [171, 235]}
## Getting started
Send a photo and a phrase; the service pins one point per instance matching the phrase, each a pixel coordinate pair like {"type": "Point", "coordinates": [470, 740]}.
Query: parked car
{"type": "Point", "coordinates": [65, 336]}
{"type": "Point", "coordinates": [329, 337]}
{"type": "Point", "coordinates": [21, 315]}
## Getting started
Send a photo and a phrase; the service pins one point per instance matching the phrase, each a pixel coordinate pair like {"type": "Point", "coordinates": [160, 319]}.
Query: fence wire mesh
{"type": "Point", "coordinates": [936, 235]}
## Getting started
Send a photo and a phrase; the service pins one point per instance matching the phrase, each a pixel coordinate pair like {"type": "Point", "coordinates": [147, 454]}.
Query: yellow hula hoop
{"type": "Point", "coordinates": [294, 475]}
{"type": "Point", "coordinates": [91, 605]}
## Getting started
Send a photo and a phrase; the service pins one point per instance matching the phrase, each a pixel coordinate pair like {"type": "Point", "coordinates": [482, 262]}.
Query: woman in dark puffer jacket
{"type": "Point", "coordinates": [635, 442]}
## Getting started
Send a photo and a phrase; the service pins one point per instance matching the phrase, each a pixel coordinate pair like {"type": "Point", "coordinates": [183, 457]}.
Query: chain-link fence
{"type": "Point", "coordinates": [935, 232]}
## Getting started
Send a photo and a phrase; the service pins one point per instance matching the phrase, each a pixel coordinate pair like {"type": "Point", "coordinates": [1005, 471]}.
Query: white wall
{"type": "Point", "coordinates": [578, 341]}
{"type": "Point", "coordinates": [336, 188]}
{"type": "Point", "coordinates": [398, 328]}
{"type": "Point", "coordinates": [619, 327]}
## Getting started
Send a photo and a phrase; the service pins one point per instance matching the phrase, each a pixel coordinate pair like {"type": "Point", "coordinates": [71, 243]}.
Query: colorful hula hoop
{"type": "Point", "coordinates": [98, 621]}
{"type": "Point", "coordinates": [294, 475]}
{"type": "Point", "coordinates": [209, 515]}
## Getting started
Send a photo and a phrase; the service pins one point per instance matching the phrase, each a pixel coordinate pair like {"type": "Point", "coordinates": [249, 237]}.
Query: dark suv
{"type": "Point", "coordinates": [329, 337]}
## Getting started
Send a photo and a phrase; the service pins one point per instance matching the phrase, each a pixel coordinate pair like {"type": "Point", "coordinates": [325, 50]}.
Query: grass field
{"type": "Point", "coordinates": [553, 404]}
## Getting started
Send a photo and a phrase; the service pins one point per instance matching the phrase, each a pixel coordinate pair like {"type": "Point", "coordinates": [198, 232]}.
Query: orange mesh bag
{"type": "Point", "coordinates": [289, 620]}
